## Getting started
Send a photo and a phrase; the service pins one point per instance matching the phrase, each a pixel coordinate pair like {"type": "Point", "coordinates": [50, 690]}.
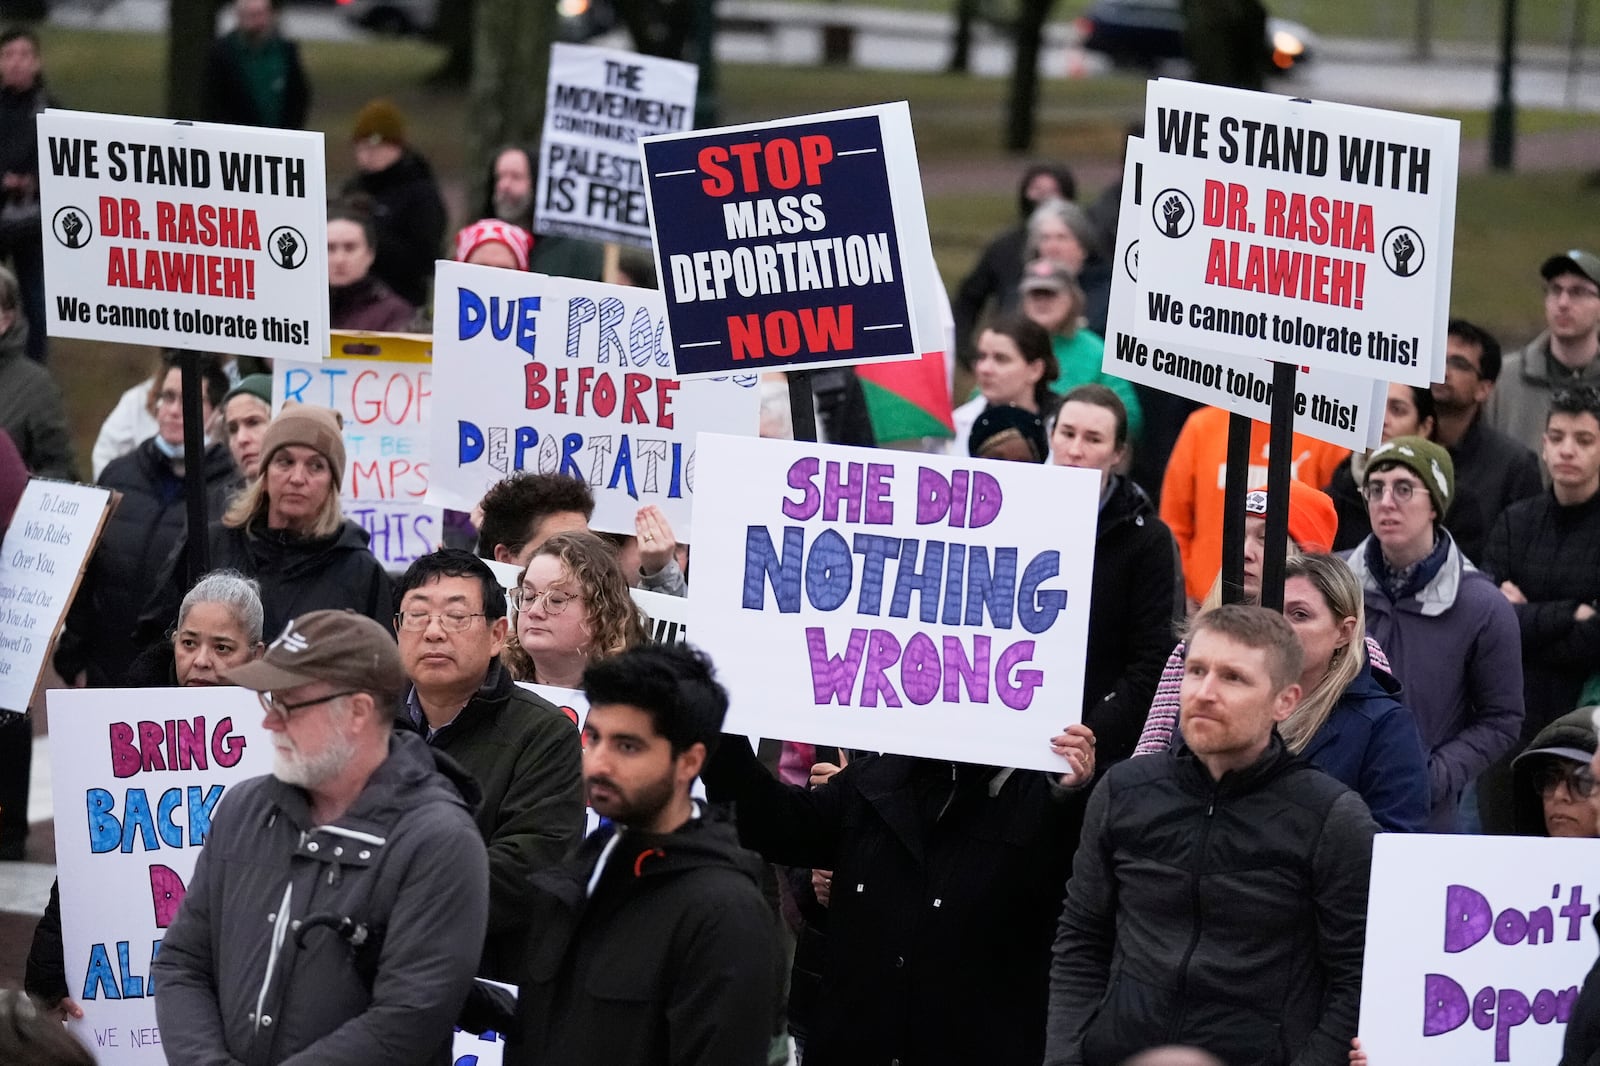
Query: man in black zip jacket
{"type": "Point", "coordinates": [1218, 898]}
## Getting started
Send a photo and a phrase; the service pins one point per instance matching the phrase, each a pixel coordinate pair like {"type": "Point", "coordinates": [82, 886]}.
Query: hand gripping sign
{"type": "Point", "coordinates": [793, 244]}
{"type": "Point", "coordinates": [1274, 225]}
{"type": "Point", "coordinates": [184, 235]}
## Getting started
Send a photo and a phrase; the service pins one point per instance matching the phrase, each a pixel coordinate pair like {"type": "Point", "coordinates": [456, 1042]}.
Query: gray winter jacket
{"type": "Point", "coordinates": [1528, 379]}
{"type": "Point", "coordinates": [255, 969]}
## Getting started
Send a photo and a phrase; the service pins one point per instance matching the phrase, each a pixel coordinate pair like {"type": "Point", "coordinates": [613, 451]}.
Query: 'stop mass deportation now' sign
{"type": "Point", "coordinates": [799, 243]}
{"type": "Point", "coordinates": [186, 235]}
{"type": "Point", "coordinates": [1276, 226]}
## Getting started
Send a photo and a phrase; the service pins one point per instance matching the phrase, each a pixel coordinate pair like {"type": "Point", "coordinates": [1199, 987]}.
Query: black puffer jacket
{"type": "Point", "coordinates": [1228, 915]}
{"type": "Point", "coordinates": [673, 958]}
{"type": "Point", "coordinates": [297, 574]}
{"type": "Point", "coordinates": [409, 216]}
{"type": "Point", "coordinates": [1130, 620]}
{"type": "Point", "coordinates": [139, 537]}
{"type": "Point", "coordinates": [947, 880]}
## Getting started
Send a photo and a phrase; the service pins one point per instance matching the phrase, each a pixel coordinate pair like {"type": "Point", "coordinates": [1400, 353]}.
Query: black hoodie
{"type": "Point", "coordinates": [674, 958]}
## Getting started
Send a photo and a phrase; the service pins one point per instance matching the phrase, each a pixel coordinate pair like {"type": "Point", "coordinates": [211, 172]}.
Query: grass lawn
{"type": "Point", "coordinates": [1506, 225]}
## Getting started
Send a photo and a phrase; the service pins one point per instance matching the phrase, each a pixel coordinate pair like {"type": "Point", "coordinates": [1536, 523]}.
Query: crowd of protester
{"type": "Point", "coordinates": [1190, 887]}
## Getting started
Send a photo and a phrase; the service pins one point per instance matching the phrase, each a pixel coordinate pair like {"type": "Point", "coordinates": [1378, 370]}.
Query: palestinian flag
{"type": "Point", "coordinates": [908, 399]}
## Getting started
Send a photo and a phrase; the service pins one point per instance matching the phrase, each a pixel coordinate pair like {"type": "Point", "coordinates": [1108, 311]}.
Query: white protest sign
{"type": "Point", "coordinates": [480, 1049]}
{"type": "Point", "coordinates": [895, 601]}
{"type": "Point", "coordinates": [666, 617]}
{"type": "Point", "coordinates": [600, 102]}
{"type": "Point", "coordinates": [382, 387]}
{"type": "Point", "coordinates": [1342, 409]}
{"type": "Point", "coordinates": [134, 803]}
{"type": "Point", "coordinates": [568, 377]}
{"type": "Point", "coordinates": [1476, 948]}
{"type": "Point", "coordinates": [184, 235]}
{"type": "Point", "coordinates": [47, 545]}
{"type": "Point", "coordinates": [804, 239]}
{"type": "Point", "coordinates": [1276, 226]}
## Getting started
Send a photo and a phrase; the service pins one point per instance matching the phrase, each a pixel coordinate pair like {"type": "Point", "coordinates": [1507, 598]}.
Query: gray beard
{"type": "Point", "coordinates": [518, 210]}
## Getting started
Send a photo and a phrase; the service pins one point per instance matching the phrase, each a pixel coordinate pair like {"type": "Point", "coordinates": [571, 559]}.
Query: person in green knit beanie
{"type": "Point", "coordinates": [1052, 298]}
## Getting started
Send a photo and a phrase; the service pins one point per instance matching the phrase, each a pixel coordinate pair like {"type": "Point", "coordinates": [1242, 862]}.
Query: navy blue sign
{"type": "Point", "coordinates": [777, 247]}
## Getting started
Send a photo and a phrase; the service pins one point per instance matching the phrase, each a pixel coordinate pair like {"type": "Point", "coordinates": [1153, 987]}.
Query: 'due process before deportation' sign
{"type": "Point", "coordinates": [133, 806]}
{"type": "Point", "coordinates": [600, 102]}
{"type": "Point", "coordinates": [385, 395]}
{"type": "Point", "coordinates": [1476, 947]}
{"type": "Point", "coordinates": [47, 545]}
{"type": "Point", "coordinates": [1342, 409]}
{"type": "Point", "coordinates": [893, 601]}
{"type": "Point", "coordinates": [184, 236]}
{"type": "Point", "coordinates": [569, 377]}
{"type": "Point", "coordinates": [791, 244]}
{"type": "Point", "coordinates": [1274, 225]}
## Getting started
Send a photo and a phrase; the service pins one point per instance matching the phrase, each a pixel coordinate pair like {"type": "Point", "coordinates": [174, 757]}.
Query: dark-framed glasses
{"type": "Point", "coordinates": [1402, 491]}
{"type": "Point", "coordinates": [1578, 778]}
{"type": "Point", "coordinates": [273, 703]}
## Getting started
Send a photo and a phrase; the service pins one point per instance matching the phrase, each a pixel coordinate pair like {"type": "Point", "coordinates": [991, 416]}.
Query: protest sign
{"type": "Point", "coordinates": [568, 377]}
{"type": "Point", "coordinates": [1342, 409]}
{"type": "Point", "coordinates": [1273, 223]}
{"type": "Point", "coordinates": [51, 536]}
{"type": "Point", "coordinates": [382, 386]}
{"type": "Point", "coordinates": [666, 617]}
{"type": "Point", "coordinates": [895, 601]}
{"type": "Point", "coordinates": [803, 239]}
{"type": "Point", "coordinates": [600, 102]}
{"type": "Point", "coordinates": [184, 235]}
{"type": "Point", "coordinates": [1476, 948]}
{"type": "Point", "coordinates": [147, 771]}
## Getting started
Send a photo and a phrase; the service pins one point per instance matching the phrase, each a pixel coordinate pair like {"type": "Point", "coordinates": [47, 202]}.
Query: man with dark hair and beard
{"type": "Point", "coordinates": [512, 186]}
{"type": "Point", "coordinates": [654, 944]}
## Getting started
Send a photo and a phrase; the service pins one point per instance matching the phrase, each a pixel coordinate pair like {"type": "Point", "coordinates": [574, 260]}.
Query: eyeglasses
{"type": "Point", "coordinates": [555, 601]}
{"type": "Point", "coordinates": [1572, 292]}
{"type": "Point", "coordinates": [168, 398]}
{"type": "Point", "coordinates": [1463, 364]}
{"type": "Point", "coordinates": [1399, 491]}
{"type": "Point", "coordinates": [272, 704]}
{"type": "Point", "coordinates": [449, 621]}
{"type": "Point", "coordinates": [1578, 778]}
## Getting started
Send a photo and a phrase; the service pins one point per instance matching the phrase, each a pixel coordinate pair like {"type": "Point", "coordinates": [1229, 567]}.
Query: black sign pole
{"type": "Point", "coordinates": [1233, 493]}
{"type": "Point", "coordinates": [802, 409]}
{"type": "Point", "coordinates": [194, 466]}
{"type": "Point", "coordinates": [1279, 456]}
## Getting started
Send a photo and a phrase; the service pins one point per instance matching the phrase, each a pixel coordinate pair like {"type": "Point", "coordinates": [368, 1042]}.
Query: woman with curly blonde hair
{"type": "Point", "coordinates": [572, 607]}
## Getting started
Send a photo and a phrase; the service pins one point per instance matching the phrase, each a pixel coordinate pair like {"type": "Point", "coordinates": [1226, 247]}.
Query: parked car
{"type": "Point", "coordinates": [1146, 33]}
{"type": "Point", "coordinates": [579, 20]}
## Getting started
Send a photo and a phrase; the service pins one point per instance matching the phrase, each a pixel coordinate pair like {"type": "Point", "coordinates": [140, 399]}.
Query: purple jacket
{"type": "Point", "coordinates": [1456, 649]}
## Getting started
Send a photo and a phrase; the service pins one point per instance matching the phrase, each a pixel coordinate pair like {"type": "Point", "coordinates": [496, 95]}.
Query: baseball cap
{"type": "Point", "coordinates": [339, 647]}
{"type": "Point", "coordinates": [997, 420]}
{"type": "Point", "coordinates": [1573, 261]}
{"type": "Point", "coordinates": [1313, 520]}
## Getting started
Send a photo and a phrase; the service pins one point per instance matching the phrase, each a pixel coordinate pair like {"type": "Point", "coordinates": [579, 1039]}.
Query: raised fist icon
{"type": "Point", "coordinates": [287, 245]}
{"type": "Point", "coordinates": [72, 227]}
{"type": "Point", "coordinates": [1403, 249]}
{"type": "Point", "coordinates": [1172, 211]}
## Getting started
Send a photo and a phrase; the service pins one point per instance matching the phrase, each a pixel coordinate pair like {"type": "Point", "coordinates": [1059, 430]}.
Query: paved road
{"type": "Point", "coordinates": [1349, 71]}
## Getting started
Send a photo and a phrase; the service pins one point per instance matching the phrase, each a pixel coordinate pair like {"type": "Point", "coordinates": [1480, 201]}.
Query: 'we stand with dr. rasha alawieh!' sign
{"type": "Point", "coordinates": [184, 235]}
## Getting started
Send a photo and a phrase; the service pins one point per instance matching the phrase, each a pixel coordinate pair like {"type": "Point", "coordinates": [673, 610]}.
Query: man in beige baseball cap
{"type": "Point", "coordinates": [338, 907]}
